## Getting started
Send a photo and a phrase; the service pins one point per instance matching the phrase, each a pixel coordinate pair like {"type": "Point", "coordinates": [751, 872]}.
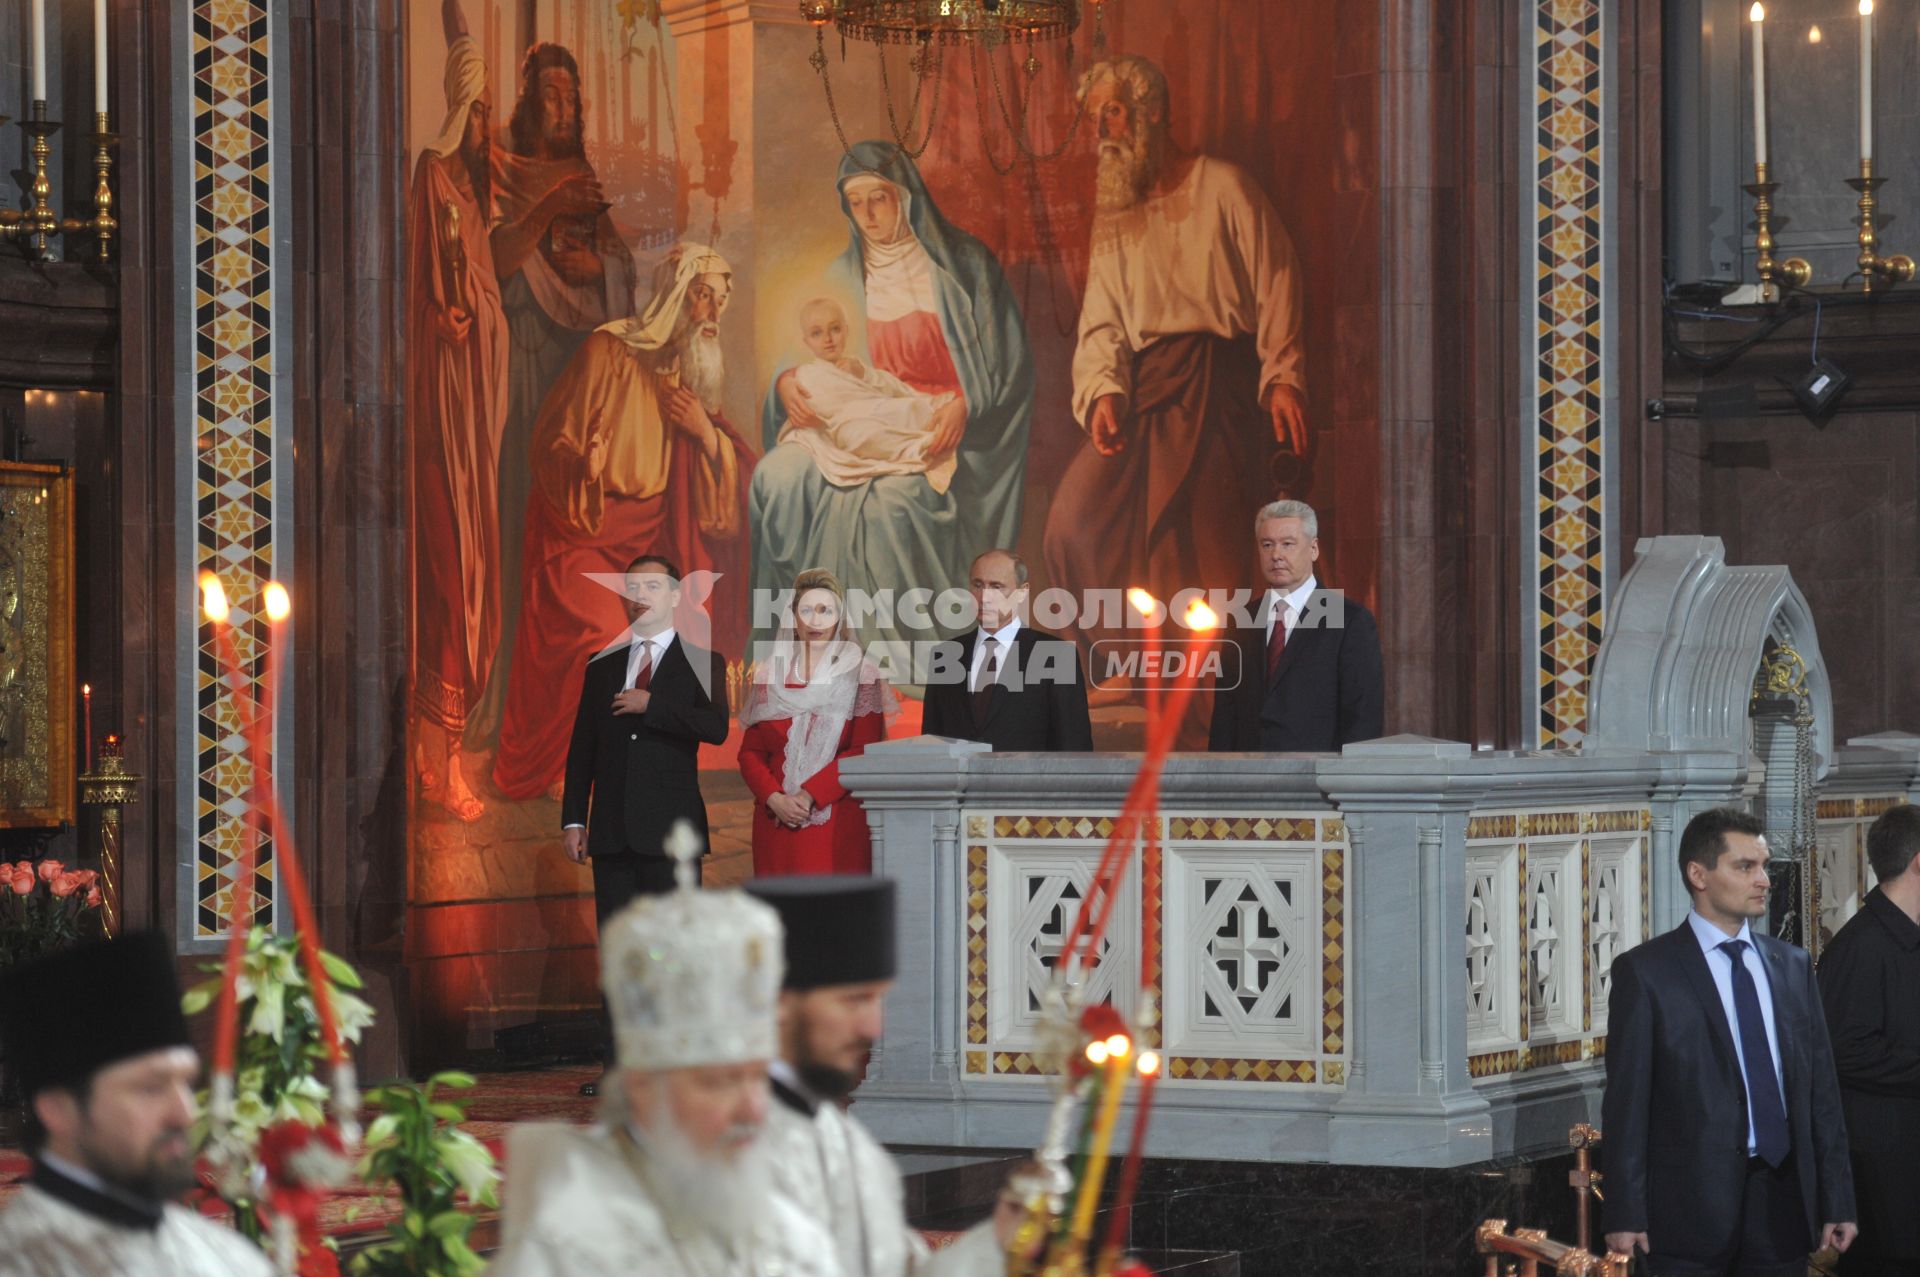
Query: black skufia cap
{"type": "Point", "coordinates": [839, 927]}
{"type": "Point", "coordinates": [66, 1016]}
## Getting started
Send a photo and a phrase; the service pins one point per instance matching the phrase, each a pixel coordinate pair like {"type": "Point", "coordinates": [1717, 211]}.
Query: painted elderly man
{"type": "Point", "coordinates": [96, 1038]}
{"type": "Point", "coordinates": [677, 1179]}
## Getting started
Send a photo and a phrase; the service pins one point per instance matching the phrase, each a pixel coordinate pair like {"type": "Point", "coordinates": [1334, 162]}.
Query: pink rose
{"type": "Point", "coordinates": [87, 876]}
{"type": "Point", "coordinates": [23, 866]}
{"type": "Point", "coordinates": [23, 883]}
{"type": "Point", "coordinates": [50, 869]}
{"type": "Point", "coordinates": [93, 897]}
{"type": "Point", "coordinates": [65, 885]}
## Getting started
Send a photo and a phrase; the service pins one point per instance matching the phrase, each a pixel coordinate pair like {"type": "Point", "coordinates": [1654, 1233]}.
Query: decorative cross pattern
{"type": "Point", "coordinates": [1546, 984]}
{"type": "Point", "coordinates": [1483, 903]}
{"type": "Point", "coordinates": [1247, 951]}
{"type": "Point", "coordinates": [1607, 935]}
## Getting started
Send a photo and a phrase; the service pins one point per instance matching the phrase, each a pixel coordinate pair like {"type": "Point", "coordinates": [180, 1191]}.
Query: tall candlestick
{"type": "Point", "coordinates": [39, 93]}
{"type": "Point", "coordinates": [1114, 1063]}
{"type": "Point", "coordinates": [1758, 16]}
{"type": "Point", "coordinates": [1117, 1227]}
{"type": "Point", "coordinates": [86, 699]}
{"type": "Point", "coordinates": [99, 57]}
{"type": "Point", "coordinates": [1866, 79]}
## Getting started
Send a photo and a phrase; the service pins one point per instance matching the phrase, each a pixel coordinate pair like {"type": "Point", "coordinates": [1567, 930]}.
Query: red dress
{"type": "Point", "coordinates": [842, 845]}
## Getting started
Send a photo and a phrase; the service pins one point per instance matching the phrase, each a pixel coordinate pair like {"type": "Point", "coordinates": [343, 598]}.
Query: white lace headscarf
{"type": "Point", "coordinates": [840, 685]}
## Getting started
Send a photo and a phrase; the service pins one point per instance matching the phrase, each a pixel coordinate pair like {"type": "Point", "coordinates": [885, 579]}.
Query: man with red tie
{"type": "Point", "coordinates": [1307, 675]}
{"type": "Point", "coordinates": [633, 764]}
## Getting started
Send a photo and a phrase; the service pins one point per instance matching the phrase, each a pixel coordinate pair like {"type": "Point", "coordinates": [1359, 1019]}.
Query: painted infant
{"type": "Point", "coordinates": [875, 424]}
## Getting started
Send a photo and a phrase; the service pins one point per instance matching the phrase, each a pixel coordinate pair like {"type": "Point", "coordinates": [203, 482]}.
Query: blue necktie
{"type": "Point", "coordinates": [1770, 1137]}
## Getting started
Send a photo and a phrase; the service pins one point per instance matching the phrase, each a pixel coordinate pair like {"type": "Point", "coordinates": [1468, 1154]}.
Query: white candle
{"type": "Point", "coordinates": [1758, 16]}
{"type": "Point", "coordinates": [1866, 79]}
{"type": "Point", "coordinates": [39, 93]}
{"type": "Point", "coordinates": [99, 57]}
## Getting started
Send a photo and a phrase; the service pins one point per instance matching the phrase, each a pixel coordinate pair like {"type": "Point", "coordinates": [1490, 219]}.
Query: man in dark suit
{"type": "Point", "coordinates": [1004, 682]}
{"type": "Point", "coordinates": [1868, 978]}
{"type": "Point", "coordinates": [1306, 675]}
{"type": "Point", "coordinates": [1725, 1151]}
{"type": "Point", "coordinates": [633, 766]}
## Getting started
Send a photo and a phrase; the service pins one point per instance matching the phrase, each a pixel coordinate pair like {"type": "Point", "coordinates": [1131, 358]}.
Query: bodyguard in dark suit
{"type": "Point", "coordinates": [1870, 982]}
{"type": "Point", "coordinates": [1306, 675]}
{"type": "Point", "coordinates": [1725, 1152]}
{"type": "Point", "coordinates": [1006, 683]}
{"type": "Point", "coordinates": [633, 767]}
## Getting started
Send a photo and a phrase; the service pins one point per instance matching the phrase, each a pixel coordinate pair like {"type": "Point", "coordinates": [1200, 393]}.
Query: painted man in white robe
{"type": "Point", "coordinates": [840, 964]}
{"type": "Point", "coordinates": [1189, 373]}
{"type": "Point", "coordinates": [677, 1180]}
{"type": "Point", "coordinates": [97, 1039]}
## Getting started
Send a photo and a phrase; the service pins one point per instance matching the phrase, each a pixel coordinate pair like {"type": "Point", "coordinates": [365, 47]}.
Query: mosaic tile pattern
{"type": "Point", "coordinates": [1569, 443]}
{"type": "Point", "coordinates": [231, 502]}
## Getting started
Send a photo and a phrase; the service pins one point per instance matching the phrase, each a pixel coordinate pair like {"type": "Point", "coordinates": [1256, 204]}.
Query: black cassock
{"type": "Point", "coordinates": [1870, 985]}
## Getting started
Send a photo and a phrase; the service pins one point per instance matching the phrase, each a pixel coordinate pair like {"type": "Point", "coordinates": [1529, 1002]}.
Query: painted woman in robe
{"type": "Point", "coordinates": [940, 317]}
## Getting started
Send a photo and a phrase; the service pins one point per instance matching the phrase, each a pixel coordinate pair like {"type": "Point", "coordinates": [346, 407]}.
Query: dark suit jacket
{"type": "Point", "coordinates": [1675, 1113]}
{"type": "Point", "coordinates": [1327, 692]}
{"type": "Point", "coordinates": [1870, 983]}
{"type": "Point", "coordinates": [1040, 702]}
{"type": "Point", "coordinates": [631, 776]}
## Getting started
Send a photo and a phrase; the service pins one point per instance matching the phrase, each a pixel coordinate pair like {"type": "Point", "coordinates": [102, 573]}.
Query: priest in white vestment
{"type": "Point", "coordinates": [97, 1040]}
{"type": "Point", "coordinates": [840, 964]}
{"type": "Point", "coordinates": [677, 1181]}
{"type": "Point", "coordinates": [1189, 373]}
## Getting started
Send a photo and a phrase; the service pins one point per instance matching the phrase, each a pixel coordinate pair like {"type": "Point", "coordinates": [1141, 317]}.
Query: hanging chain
{"type": "Point", "coordinates": [926, 64]}
{"type": "Point", "coordinates": [818, 59]}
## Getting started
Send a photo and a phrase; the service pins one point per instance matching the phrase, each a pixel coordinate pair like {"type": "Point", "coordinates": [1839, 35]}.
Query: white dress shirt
{"type": "Point", "coordinates": [1720, 964]}
{"type": "Point", "coordinates": [1004, 638]}
{"type": "Point", "coordinates": [1289, 605]}
{"type": "Point", "coordinates": [657, 645]}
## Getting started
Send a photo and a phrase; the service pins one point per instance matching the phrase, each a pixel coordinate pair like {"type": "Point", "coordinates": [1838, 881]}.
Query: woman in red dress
{"type": "Point", "coordinates": [815, 701]}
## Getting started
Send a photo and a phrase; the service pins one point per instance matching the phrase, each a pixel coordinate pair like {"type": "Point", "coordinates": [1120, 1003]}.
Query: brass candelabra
{"type": "Point", "coordinates": [1877, 273]}
{"type": "Point", "coordinates": [1795, 272]}
{"type": "Point", "coordinates": [110, 787]}
{"type": "Point", "coordinates": [35, 225]}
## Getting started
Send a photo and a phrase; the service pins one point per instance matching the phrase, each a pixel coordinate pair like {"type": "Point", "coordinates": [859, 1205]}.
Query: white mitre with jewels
{"type": "Point", "coordinates": [692, 976]}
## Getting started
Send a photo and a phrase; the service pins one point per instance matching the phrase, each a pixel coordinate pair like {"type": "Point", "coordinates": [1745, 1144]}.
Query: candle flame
{"type": "Point", "coordinates": [279, 606]}
{"type": "Point", "coordinates": [1866, 8]}
{"type": "Point", "coordinates": [1096, 1052]}
{"type": "Point", "coordinates": [1758, 13]}
{"type": "Point", "coordinates": [1118, 1046]}
{"type": "Point", "coordinates": [1813, 34]}
{"type": "Point", "coordinates": [1201, 617]}
{"type": "Point", "coordinates": [1142, 602]}
{"type": "Point", "coordinates": [213, 598]}
{"type": "Point", "coordinates": [1148, 1064]}
{"type": "Point", "coordinates": [86, 689]}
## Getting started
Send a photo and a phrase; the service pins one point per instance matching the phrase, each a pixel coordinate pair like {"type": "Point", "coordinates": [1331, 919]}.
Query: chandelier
{"type": "Point", "coordinates": [950, 21]}
{"type": "Point", "coordinates": [929, 24]}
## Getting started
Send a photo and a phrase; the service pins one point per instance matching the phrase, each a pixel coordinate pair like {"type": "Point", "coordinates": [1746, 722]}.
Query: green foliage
{"type": "Point", "coordinates": [281, 1051]}
{"type": "Point", "coordinates": [416, 1145]}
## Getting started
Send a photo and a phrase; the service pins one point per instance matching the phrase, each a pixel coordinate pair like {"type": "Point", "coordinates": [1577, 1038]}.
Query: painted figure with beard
{"type": "Point", "coordinates": [840, 964]}
{"type": "Point", "coordinates": [564, 271]}
{"type": "Point", "coordinates": [677, 1180]}
{"type": "Point", "coordinates": [97, 1041]}
{"type": "Point", "coordinates": [630, 453]}
{"type": "Point", "coordinates": [1189, 367]}
{"type": "Point", "coordinates": [456, 403]}
{"type": "Point", "coordinates": [941, 319]}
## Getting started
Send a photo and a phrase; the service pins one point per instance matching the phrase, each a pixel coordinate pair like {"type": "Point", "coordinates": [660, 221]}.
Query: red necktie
{"type": "Point", "coordinates": [644, 674]}
{"type": "Point", "coordinates": [1276, 641]}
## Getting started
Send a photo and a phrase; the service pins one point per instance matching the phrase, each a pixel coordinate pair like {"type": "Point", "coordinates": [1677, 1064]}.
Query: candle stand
{"type": "Point", "coordinates": [37, 223]}
{"type": "Point", "coordinates": [1877, 273]}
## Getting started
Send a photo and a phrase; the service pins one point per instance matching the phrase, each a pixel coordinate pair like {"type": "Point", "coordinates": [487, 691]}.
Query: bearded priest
{"type": "Point", "coordinates": [97, 1040]}
{"type": "Point", "coordinates": [840, 964]}
{"type": "Point", "coordinates": [676, 1181]}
